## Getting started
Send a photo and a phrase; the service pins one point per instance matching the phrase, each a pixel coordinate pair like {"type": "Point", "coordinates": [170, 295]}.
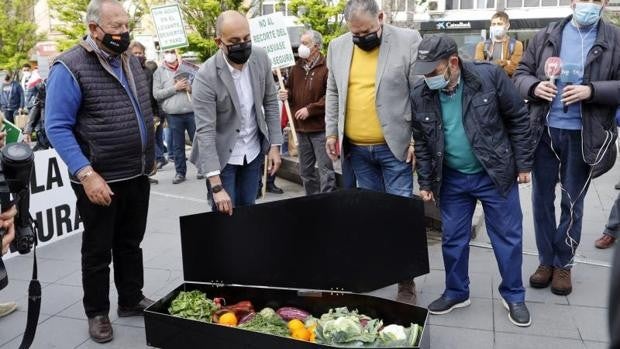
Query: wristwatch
{"type": "Point", "coordinates": [217, 188]}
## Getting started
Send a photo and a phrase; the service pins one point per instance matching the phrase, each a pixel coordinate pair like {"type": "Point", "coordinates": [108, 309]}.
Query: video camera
{"type": "Point", "coordinates": [16, 161]}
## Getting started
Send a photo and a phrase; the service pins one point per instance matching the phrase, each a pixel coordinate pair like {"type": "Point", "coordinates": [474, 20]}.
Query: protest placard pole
{"type": "Point", "coordinates": [288, 108]}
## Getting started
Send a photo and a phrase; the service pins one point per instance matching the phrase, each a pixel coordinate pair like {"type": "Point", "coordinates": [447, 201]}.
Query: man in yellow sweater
{"type": "Point", "coordinates": [367, 109]}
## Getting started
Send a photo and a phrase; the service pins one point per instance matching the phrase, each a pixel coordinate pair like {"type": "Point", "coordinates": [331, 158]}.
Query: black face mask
{"type": "Point", "coordinates": [239, 53]}
{"type": "Point", "coordinates": [367, 42]}
{"type": "Point", "coordinates": [117, 43]}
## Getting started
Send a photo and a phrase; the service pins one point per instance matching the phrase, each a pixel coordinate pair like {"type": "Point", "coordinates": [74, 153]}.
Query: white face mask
{"type": "Point", "coordinates": [497, 31]}
{"type": "Point", "coordinates": [304, 51]}
{"type": "Point", "coordinates": [26, 75]}
{"type": "Point", "coordinates": [170, 58]}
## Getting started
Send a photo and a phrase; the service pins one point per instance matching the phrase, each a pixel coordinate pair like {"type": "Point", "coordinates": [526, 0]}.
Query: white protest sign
{"type": "Point", "coordinates": [52, 201]}
{"type": "Point", "coordinates": [269, 32]}
{"type": "Point", "coordinates": [169, 25]}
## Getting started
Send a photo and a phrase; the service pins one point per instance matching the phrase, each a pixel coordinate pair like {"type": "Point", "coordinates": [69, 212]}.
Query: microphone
{"type": "Point", "coordinates": [553, 68]}
{"type": "Point", "coordinates": [571, 73]}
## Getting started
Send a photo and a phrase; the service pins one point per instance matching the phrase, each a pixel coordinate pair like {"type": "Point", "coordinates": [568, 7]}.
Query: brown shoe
{"type": "Point", "coordinates": [542, 276]}
{"type": "Point", "coordinates": [406, 292]}
{"type": "Point", "coordinates": [605, 241]}
{"type": "Point", "coordinates": [561, 284]}
{"type": "Point", "coordinates": [100, 329]}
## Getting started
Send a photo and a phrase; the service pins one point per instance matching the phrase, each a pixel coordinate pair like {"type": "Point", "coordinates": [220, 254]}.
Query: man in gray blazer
{"type": "Point", "coordinates": [367, 111]}
{"type": "Point", "coordinates": [237, 116]}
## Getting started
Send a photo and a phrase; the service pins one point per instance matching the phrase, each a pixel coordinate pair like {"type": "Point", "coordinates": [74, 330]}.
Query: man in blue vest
{"type": "Point", "coordinates": [100, 121]}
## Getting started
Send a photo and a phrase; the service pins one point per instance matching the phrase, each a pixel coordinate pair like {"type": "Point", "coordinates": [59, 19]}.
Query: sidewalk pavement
{"type": "Point", "coordinates": [575, 321]}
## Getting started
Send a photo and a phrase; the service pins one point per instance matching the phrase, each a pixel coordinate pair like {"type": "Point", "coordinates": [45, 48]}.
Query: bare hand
{"type": "Point", "coordinates": [283, 95]}
{"type": "Point", "coordinates": [575, 93]}
{"type": "Point", "coordinates": [6, 222]}
{"type": "Point", "coordinates": [330, 147]}
{"type": "Point", "coordinates": [273, 160]}
{"type": "Point", "coordinates": [427, 195]}
{"type": "Point", "coordinates": [2, 139]}
{"type": "Point", "coordinates": [411, 156]}
{"type": "Point", "coordinates": [27, 138]}
{"type": "Point", "coordinates": [181, 85]}
{"type": "Point", "coordinates": [302, 114]}
{"type": "Point", "coordinates": [223, 202]}
{"type": "Point", "coordinates": [546, 90]}
{"type": "Point", "coordinates": [97, 190]}
{"type": "Point", "coordinates": [524, 177]}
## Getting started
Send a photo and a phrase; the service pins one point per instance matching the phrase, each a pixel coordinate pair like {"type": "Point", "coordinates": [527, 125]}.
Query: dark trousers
{"type": "Point", "coordinates": [613, 223]}
{"type": "Point", "coordinates": [312, 151]}
{"type": "Point", "coordinates": [9, 115]}
{"type": "Point", "coordinates": [557, 243]}
{"type": "Point", "coordinates": [113, 233]}
{"type": "Point", "coordinates": [241, 181]}
{"type": "Point", "coordinates": [503, 219]}
{"type": "Point", "coordinates": [179, 123]}
{"type": "Point", "coordinates": [159, 142]}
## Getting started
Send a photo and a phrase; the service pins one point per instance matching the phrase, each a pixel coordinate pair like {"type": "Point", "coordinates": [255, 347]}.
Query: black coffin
{"type": "Point", "coordinates": [314, 253]}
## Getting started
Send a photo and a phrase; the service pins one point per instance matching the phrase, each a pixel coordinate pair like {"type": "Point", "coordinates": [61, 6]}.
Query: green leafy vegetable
{"type": "Point", "coordinates": [267, 321]}
{"type": "Point", "coordinates": [343, 327]}
{"type": "Point", "coordinates": [193, 305]}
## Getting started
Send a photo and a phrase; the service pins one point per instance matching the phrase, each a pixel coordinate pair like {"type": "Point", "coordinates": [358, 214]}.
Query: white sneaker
{"type": "Point", "coordinates": [7, 308]}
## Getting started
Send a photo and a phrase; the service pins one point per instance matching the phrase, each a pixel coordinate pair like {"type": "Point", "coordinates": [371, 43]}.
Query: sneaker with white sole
{"type": "Point", "coordinates": [518, 313]}
{"type": "Point", "coordinates": [444, 305]}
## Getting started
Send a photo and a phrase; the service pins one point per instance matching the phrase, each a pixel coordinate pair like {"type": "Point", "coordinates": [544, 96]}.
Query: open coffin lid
{"type": "Point", "coordinates": [351, 241]}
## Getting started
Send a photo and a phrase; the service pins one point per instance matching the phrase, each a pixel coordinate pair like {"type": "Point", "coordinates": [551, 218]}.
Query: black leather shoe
{"type": "Point", "coordinates": [136, 310]}
{"type": "Point", "coordinates": [100, 329]}
{"type": "Point", "coordinates": [518, 313]}
{"type": "Point", "coordinates": [274, 189]}
{"type": "Point", "coordinates": [444, 305]}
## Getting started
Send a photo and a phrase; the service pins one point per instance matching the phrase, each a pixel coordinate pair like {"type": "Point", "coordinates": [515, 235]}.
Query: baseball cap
{"type": "Point", "coordinates": [431, 51]}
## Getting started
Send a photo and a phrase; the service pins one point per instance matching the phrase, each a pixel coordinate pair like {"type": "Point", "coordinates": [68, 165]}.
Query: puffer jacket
{"type": "Point", "coordinates": [495, 121]}
{"type": "Point", "coordinates": [601, 72]}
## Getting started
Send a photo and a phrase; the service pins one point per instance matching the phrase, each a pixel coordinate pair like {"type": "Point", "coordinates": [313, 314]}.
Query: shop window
{"type": "Point", "coordinates": [531, 3]}
{"type": "Point", "coordinates": [467, 4]}
{"type": "Point", "coordinates": [452, 4]}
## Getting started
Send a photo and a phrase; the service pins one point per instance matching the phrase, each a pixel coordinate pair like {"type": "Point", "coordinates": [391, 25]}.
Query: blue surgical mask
{"type": "Point", "coordinates": [586, 13]}
{"type": "Point", "coordinates": [438, 81]}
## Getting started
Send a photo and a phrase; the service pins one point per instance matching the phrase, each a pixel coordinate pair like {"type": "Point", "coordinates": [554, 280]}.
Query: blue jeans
{"type": "Point", "coordinates": [503, 218]}
{"type": "Point", "coordinates": [376, 168]}
{"type": "Point", "coordinates": [552, 240]}
{"type": "Point", "coordinates": [241, 182]}
{"type": "Point", "coordinates": [179, 123]}
{"type": "Point", "coordinates": [169, 142]}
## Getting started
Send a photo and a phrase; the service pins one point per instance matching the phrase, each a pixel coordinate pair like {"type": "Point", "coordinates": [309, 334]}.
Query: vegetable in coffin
{"type": "Point", "coordinates": [193, 305]}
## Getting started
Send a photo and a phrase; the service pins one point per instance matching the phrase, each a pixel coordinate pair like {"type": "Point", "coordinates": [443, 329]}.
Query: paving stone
{"type": "Point", "coordinates": [523, 341]}
{"type": "Point", "coordinates": [456, 337]}
{"type": "Point", "coordinates": [549, 320]}
{"type": "Point", "coordinates": [56, 332]}
{"type": "Point", "coordinates": [14, 324]}
{"type": "Point", "coordinates": [124, 338]}
{"type": "Point", "coordinates": [592, 323]}
{"type": "Point", "coordinates": [479, 315]}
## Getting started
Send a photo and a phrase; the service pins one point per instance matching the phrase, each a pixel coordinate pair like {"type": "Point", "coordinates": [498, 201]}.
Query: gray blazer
{"type": "Point", "coordinates": [395, 78]}
{"type": "Point", "coordinates": [216, 108]}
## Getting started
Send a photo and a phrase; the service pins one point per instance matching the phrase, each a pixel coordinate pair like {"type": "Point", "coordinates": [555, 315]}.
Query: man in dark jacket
{"type": "Point", "coordinates": [11, 98]}
{"type": "Point", "coordinates": [99, 119]}
{"type": "Point", "coordinates": [472, 142]}
{"type": "Point", "coordinates": [307, 84]}
{"type": "Point", "coordinates": [573, 129]}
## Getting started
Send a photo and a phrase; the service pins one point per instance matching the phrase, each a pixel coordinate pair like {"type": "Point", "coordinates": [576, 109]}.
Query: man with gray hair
{"type": "Point", "coordinates": [99, 119]}
{"type": "Point", "coordinates": [367, 109]}
{"type": "Point", "coordinates": [307, 83]}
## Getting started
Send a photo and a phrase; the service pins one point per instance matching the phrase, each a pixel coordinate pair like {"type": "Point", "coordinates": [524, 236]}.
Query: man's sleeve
{"type": "Point", "coordinates": [331, 98]}
{"type": "Point", "coordinates": [516, 120]}
{"type": "Point", "coordinates": [479, 54]}
{"type": "Point", "coordinates": [62, 104]}
{"type": "Point", "coordinates": [160, 91]}
{"type": "Point", "coordinates": [205, 113]}
{"type": "Point", "coordinates": [515, 58]}
{"type": "Point", "coordinates": [271, 106]}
